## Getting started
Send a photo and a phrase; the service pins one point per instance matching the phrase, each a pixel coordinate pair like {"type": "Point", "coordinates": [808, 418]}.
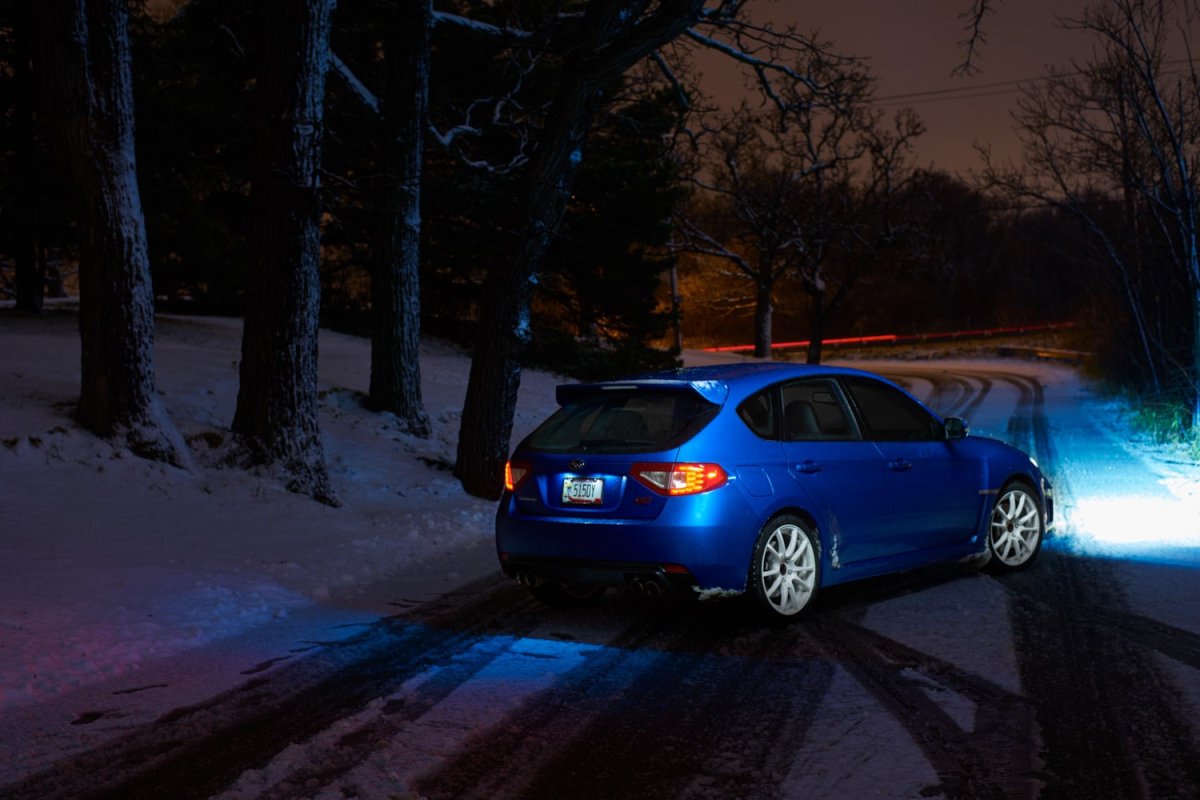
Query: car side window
{"type": "Point", "coordinates": [890, 415]}
{"type": "Point", "coordinates": [814, 410]}
{"type": "Point", "coordinates": [759, 414]}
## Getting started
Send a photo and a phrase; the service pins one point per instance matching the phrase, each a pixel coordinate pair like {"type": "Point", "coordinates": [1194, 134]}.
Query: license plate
{"type": "Point", "coordinates": [587, 491]}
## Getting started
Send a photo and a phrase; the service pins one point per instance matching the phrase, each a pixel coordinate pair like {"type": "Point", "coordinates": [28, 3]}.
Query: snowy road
{"type": "Point", "coordinates": [1077, 679]}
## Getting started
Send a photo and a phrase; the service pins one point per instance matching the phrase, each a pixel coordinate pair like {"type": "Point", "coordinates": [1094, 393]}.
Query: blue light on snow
{"type": "Point", "coordinates": [1133, 527]}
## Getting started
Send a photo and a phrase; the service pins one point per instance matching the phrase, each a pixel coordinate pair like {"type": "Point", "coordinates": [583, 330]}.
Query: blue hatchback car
{"type": "Point", "coordinates": [770, 478]}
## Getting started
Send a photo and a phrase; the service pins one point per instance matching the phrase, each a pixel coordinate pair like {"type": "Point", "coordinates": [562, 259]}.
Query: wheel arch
{"type": "Point", "coordinates": [1029, 483]}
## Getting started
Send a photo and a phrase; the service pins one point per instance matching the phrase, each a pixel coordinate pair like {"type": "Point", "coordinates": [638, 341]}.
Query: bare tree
{"type": "Point", "coordinates": [1124, 126]}
{"type": "Point", "coordinates": [276, 417]}
{"type": "Point", "coordinates": [756, 211]}
{"type": "Point", "coordinates": [873, 228]}
{"type": "Point", "coordinates": [83, 59]}
{"type": "Point", "coordinates": [785, 193]}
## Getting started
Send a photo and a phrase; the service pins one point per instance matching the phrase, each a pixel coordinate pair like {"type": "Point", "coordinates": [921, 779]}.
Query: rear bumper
{"type": "Point", "coordinates": [707, 537]}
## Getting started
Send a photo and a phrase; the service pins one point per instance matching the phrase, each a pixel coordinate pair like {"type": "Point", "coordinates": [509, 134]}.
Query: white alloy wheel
{"type": "Point", "coordinates": [786, 569]}
{"type": "Point", "coordinates": [1015, 531]}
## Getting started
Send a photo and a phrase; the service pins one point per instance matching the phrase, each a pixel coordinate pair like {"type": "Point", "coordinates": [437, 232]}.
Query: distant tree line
{"type": "Point", "coordinates": [520, 176]}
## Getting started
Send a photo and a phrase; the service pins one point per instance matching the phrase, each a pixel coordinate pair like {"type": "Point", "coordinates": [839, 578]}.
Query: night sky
{"type": "Point", "coordinates": [914, 47]}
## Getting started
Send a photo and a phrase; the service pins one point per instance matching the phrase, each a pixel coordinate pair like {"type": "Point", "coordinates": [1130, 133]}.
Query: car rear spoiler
{"type": "Point", "coordinates": [714, 392]}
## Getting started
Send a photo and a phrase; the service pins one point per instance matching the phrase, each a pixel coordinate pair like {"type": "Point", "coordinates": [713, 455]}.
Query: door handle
{"type": "Point", "coordinates": [808, 466]}
{"type": "Point", "coordinates": [899, 465]}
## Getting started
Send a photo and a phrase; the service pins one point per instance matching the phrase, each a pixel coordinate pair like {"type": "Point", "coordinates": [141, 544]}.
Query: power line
{"type": "Point", "coordinates": [956, 89]}
{"type": "Point", "coordinates": [977, 90]}
{"type": "Point", "coordinates": [894, 103]}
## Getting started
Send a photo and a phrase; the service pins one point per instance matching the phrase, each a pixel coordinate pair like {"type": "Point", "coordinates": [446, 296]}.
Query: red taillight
{"type": "Point", "coordinates": [514, 473]}
{"type": "Point", "coordinates": [679, 479]}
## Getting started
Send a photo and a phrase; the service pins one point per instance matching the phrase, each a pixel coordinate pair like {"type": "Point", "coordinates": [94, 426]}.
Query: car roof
{"type": "Point", "coordinates": [716, 382]}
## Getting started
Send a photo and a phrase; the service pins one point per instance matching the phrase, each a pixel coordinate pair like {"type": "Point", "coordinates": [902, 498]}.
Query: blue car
{"type": "Point", "coordinates": [774, 479]}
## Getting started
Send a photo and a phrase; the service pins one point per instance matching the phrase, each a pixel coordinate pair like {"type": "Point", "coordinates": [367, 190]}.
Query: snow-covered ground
{"type": "Point", "coordinates": [124, 577]}
{"type": "Point", "coordinates": [111, 565]}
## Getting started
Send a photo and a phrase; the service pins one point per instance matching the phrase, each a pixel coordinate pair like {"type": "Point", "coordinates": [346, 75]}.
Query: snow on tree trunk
{"type": "Point", "coordinates": [85, 62]}
{"type": "Point", "coordinates": [276, 417]}
{"type": "Point", "coordinates": [395, 284]}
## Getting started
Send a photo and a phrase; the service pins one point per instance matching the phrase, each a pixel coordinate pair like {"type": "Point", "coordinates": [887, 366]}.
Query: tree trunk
{"type": "Point", "coordinates": [504, 331]}
{"type": "Point", "coordinates": [676, 304]}
{"type": "Point", "coordinates": [276, 415]}
{"type": "Point", "coordinates": [395, 285]}
{"type": "Point", "coordinates": [30, 270]}
{"type": "Point", "coordinates": [816, 336]}
{"type": "Point", "coordinates": [84, 57]}
{"type": "Point", "coordinates": [764, 308]}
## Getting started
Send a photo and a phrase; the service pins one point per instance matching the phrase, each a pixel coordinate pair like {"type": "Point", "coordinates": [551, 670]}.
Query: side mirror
{"type": "Point", "coordinates": [956, 428]}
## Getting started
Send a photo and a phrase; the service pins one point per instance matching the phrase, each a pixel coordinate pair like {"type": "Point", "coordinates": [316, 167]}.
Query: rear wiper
{"type": "Point", "coordinates": [586, 443]}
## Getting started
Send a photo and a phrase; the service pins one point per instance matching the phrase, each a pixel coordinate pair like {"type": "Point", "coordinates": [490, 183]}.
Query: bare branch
{"type": "Point", "coordinates": [976, 36]}
{"type": "Point", "coordinates": [761, 66]}
{"type": "Point", "coordinates": [488, 116]}
{"type": "Point", "coordinates": [508, 35]}
{"type": "Point", "coordinates": [238, 50]}
{"type": "Point", "coordinates": [357, 87]}
{"type": "Point", "coordinates": [680, 94]}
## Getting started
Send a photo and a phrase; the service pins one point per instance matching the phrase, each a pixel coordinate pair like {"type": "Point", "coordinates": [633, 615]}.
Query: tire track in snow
{"type": "Point", "coordinates": [991, 759]}
{"type": "Point", "coordinates": [1176, 643]}
{"type": "Point", "coordinates": [967, 391]}
{"type": "Point", "coordinates": [700, 705]}
{"type": "Point", "coordinates": [704, 712]}
{"type": "Point", "coordinates": [1111, 723]}
{"type": "Point", "coordinates": [324, 763]}
{"type": "Point", "coordinates": [655, 713]}
{"type": "Point", "coordinates": [199, 750]}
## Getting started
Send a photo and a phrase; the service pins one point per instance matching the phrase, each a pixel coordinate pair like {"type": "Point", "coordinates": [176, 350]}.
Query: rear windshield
{"type": "Point", "coordinates": [623, 421]}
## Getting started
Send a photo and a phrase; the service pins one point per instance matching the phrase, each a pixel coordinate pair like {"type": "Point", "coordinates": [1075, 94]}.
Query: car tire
{"type": "Point", "coordinates": [561, 595]}
{"type": "Point", "coordinates": [785, 571]}
{"type": "Point", "coordinates": [1015, 529]}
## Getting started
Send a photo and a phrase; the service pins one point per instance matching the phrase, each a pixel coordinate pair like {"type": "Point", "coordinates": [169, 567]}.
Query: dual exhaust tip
{"type": "Point", "coordinates": [645, 587]}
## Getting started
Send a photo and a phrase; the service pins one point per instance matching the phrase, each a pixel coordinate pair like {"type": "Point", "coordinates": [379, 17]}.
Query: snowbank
{"type": "Point", "coordinates": [108, 561]}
